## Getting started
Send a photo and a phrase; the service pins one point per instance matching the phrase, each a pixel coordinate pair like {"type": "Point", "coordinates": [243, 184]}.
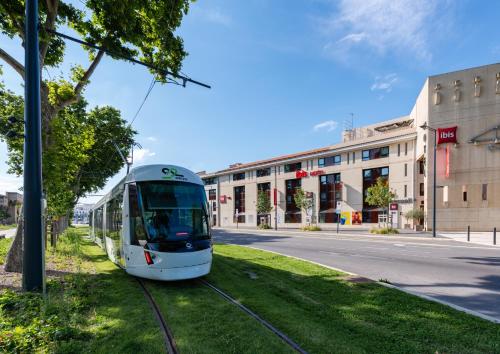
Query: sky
{"type": "Point", "coordinates": [285, 75]}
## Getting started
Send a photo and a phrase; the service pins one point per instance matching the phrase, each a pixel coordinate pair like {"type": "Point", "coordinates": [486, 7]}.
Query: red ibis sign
{"type": "Point", "coordinates": [300, 174]}
{"type": "Point", "coordinates": [317, 173]}
{"type": "Point", "coordinates": [223, 199]}
{"type": "Point", "coordinates": [447, 135]}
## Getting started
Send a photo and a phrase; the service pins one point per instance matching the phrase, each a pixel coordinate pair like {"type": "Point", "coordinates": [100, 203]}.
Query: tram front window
{"type": "Point", "coordinates": [173, 211]}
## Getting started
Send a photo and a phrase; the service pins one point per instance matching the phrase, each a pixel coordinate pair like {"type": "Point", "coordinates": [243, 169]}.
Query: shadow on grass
{"type": "Point", "coordinates": [325, 313]}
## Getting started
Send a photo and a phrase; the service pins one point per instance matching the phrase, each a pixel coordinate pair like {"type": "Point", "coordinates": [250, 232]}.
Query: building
{"type": "Point", "coordinates": [463, 107]}
{"type": "Point", "coordinates": [81, 213]}
{"type": "Point", "coordinates": [11, 203]}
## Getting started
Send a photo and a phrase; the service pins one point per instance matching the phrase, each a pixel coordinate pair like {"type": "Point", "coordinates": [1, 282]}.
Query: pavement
{"type": "Point", "coordinates": [463, 275]}
{"type": "Point", "coordinates": [8, 233]}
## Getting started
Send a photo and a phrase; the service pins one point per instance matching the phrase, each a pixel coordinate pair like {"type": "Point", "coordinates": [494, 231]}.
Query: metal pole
{"type": "Point", "coordinates": [275, 195]}
{"type": "Point", "coordinates": [434, 188]}
{"type": "Point", "coordinates": [33, 255]}
{"type": "Point", "coordinates": [494, 235]}
{"type": "Point", "coordinates": [468, 233]}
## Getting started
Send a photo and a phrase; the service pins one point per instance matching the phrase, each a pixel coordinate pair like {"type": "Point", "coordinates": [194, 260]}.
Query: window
{"type": "Point", "coordinates": [399, 149]}
{"type": "Point", "coordinates": [421, 167]}
{"type": "Point", "coordinates": [264, 188]}
{"type": "Point", "coordinates": [138, 232]}
{"type": "Point", "coordinates": [406, 169]}
{"type": "Point", "coordinates": [329, 161]}
{"type": "Point", "coordinates": [209, 181]}
{"type": "Point", "coordinates": [292, 167]}
{"type": "Point", "coordinates": [353, 157]}
{"type": "Point", "coordinates": [384, 171]}
{"type": "Point", "coordinates": [484, 193]}
{"type": "Point", "coordinates": [370, 176]}
{"type": "Point", "coordinates": [422, 189]}
{"type": "Point", "coordinates": [263, 172]}
{"type": "Point", "coordinates": [239, 203]}
{"type": "Point", "coordinates": [406, 191]}
{"type": "Point", "coordinates": [464, 193]}
{"type": "Point", "coordinates": [292, 212]}
{"type": "Point", "coordinates": [406, 149]}
{"type": "Point", "coordinates": [375, 153]}
{"type": "Point", "coordinates": [212, 194]}
{"type": "Point", "coordinates": [330, 191]}
{"type": "Point", "coordinates": [238, 176]}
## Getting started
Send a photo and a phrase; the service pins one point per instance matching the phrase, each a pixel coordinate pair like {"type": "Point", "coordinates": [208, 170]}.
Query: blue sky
{"type": "Point", "coordinates": [285, 74]}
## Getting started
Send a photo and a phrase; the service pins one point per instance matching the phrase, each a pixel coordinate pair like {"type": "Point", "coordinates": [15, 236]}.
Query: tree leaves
{"type": "Point", "coordinates": [379, 194]}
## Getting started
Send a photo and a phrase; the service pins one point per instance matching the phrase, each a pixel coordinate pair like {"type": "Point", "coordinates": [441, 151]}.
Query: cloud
{"type": "Point", "coordinates": [382, 26]}
{"type": "Point", "coordinates": [212, 15]}
{"type": "Point", "coordinates": [151, 138]}
{"type": "Point", "coordinates": [384, 83]}
{"type": "Point", "coordinates": [142, 154]}
{"type": "Point", "coordinates": [328, 125]}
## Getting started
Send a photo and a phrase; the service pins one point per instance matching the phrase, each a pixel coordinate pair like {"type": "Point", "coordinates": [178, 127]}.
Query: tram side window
{"type": "Point", "coordinates": [98, 223]}
{"type": "Point", "coordinates": [114, 217]}
{"type": "Point", "coordinates": [137, 232]}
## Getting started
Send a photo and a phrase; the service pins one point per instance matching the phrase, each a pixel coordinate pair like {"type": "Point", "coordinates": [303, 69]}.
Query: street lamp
{"type": "Point", "coordinates": [434, 186]}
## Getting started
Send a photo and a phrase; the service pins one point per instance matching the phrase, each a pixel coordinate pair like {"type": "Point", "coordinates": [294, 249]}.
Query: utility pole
{"type": "Point", "coordinates": [33, 254]}
{"type": "Point", "coordinates": [425, 126]}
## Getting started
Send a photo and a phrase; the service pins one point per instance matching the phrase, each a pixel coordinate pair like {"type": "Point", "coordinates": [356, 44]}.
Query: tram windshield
{"type": "Point", "coordinates": [173, 210]}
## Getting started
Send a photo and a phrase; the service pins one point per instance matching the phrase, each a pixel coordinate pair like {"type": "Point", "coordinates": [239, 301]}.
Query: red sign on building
{"type": "Point", "coordinates": [222, 199]}
{"type": "Point", "coordinates": [300, 174]}
{"type": "Point", "coordinates": [317, 173]}
{"type": "Point", "coordinates": [447, 135]}
{"type": "Point", "coordinates": [394, 206]}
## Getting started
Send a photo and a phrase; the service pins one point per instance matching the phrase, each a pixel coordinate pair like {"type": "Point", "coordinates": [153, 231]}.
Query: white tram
{"type": "Point", "coordinates": [155, 224]}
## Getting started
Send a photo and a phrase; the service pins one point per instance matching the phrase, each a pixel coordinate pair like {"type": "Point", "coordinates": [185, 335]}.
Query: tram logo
{"type": "Point", "coordinates": [189, 245]}
{"type": "Point", "coordinates": [170, 173]}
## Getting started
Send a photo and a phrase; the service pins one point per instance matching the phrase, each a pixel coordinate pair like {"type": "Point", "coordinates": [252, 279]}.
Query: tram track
{"type": "Point", "coordinates": [167, 333]}
{"type": "Point", "coordinates": [292, 344]}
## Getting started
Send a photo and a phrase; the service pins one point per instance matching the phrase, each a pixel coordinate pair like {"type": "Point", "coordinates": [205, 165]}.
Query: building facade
{"type": "Point", "coordinates": [462, 111]}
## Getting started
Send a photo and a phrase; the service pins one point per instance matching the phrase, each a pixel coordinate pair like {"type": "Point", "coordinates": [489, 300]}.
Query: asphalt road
{"type": "Point", "coordinates": [462, 274]}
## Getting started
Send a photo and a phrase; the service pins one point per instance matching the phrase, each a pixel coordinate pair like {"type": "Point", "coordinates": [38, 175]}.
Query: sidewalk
{"type": "Point", "coordinates": [480, 238]}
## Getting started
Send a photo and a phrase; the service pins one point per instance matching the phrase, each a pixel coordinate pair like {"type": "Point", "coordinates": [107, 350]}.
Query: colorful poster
{"type": "Point", "coordinates": [346, 215]}
{"type": "Point", "coordinates": [356, 217]}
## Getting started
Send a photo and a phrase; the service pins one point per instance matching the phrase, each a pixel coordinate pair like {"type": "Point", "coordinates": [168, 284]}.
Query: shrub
{"type": "Point", "coordinates": [311, 228]}
{"type": "Point", "coordinates": [264, 226]}
{"type": "Point", "coordinates": [384, 231]}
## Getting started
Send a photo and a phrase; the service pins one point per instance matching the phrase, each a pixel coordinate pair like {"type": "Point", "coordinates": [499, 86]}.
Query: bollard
{"type": "Point", "coordinates": [494, 235]}
{"type": "Point", "coordinates": [468, 233]}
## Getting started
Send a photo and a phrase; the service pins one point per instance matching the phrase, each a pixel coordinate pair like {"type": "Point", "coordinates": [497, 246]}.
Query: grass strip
{"type": "Point", "coordinates": [91, 307]}
{"type": "Point", "coordinates": [323, 312]}
{"type": "Point", "coordinates": [7, 227]}
{"type": "Point", "coordinates": [4, 248]}
{"type": "Point", "coordinates": [203, 322]}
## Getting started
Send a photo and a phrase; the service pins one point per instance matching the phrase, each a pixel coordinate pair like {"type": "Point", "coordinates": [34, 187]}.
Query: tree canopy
{"type": "Point", "coordinates": [379, 194]}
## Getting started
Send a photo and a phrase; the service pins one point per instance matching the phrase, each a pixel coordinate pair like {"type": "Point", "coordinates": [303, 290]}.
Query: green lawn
{"type": "Point", "coordinates": [7, 227]}
{"type": "Point", "coordinates": [324, 313]}
{"type": "Point", "coordinates": [4, 248]}
{"type": "Point", "coordinates": [94, 308]}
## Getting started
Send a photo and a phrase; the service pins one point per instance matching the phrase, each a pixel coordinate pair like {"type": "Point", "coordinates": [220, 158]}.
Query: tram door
{"type": "Point", "coordinates": [214, 213]}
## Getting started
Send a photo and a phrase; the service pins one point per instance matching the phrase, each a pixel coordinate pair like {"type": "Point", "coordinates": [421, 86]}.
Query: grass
{"type": "Point", "coordinates": [90, 307]}
{"type": "Point", "coordinates": [324, 312]}
{"type": "Point", "coordinates": [8, 227]}
{"type": "Point", "coordinates": [4, 248]}
{"type": "Point", "coordinates": [311, 228]}
{"type": "Point", "coordinates": [384, 231]}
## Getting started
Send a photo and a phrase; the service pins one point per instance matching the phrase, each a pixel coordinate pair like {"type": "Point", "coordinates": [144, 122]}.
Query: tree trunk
{"type": "Point", "coordinates": [14, 260]}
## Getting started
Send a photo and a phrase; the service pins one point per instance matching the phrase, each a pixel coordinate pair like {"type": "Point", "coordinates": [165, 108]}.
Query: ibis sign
{"type": "Point", "coordinates": [447, 135]}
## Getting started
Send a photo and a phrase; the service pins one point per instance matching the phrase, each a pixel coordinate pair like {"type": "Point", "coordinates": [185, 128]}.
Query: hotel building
{"type": "Point", "coordinates": [461, 108]}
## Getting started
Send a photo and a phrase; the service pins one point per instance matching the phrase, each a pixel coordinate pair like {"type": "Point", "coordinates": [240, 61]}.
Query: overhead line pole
{"type": "Point", "coordinates": [33, 255]}
{"type": "Point", "coordinates": [135, 61]}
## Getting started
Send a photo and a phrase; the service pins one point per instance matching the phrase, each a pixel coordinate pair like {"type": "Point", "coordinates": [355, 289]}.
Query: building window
{"type": "Point", "coordinates": [484, 193]}
{"type": "Point", "coordinates": [464, 193]}
{"type": "Point", "coordinates": [292, 167]}
{"type": "Point", "coordinates": [406, 191]}
{"type": "Point", "coordinates": [212, 194]}
{"type": "Point", "coordinates": [406, 169]}
{"type": "Point", "coordinates": [264, 187]}
{"type": "Point", "coordinates": [422, 189]}
{"type": "Point", "coordinates": [370, 176]}
{"type": "Point", "coordinates": [399, 149]}
{"type": "Point", "coordinates": [209, 181]}
{"type": "Point", "coordinates": [330, 191]}
{"type": "Point", "coordinates": [353, 157]}
{"type": "Point", "coordinates": [348, 158]}
{"type": "Point", "coordinates": [239, 203]}
{"type": "Point", "coordinates": [421, 167]}
{"type": "Point", "coordinates": [329, 161]}
{"type": "Point", "coordinates": [238, 176]}
{"type": "Point", "coordinates": [263, 172]}
{"type": "Point", "coordinates": [292, 212]}
{"type": "Point", "coordinates": [376, 153]}
{"type": "Point", "coordinates": [406, 149]}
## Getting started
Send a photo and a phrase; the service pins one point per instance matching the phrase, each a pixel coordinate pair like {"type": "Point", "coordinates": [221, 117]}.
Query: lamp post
{"type": "Point", "coordinates": [434, 186]}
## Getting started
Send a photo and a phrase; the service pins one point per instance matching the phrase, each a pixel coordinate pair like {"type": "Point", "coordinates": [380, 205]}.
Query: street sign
{"type": "Point", "coordinates": [339, 207]}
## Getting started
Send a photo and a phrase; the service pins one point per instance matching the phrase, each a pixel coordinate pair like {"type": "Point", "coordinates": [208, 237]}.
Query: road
{"type": "Point", "coordinates": [8, 233]}
{"type": "Point", "coordinates": [462, 274]}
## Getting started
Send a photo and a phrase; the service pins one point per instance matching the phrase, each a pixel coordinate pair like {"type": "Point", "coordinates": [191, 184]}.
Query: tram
{"type": "Point", "coordinates": [155, 224]}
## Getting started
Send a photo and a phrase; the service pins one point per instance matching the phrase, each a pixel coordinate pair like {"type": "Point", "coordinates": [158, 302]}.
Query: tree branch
{"type": "Point", "coordinates": [17, 66]}
{"type": "Point", "coordinates": [81, 84]}
{"type": "Point", "coordinates": [52, 6]}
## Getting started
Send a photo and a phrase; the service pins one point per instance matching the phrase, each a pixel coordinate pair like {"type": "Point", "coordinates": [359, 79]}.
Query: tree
{"type": "Point", "coordinates": [77, 157]}
{"type": "Point", "coordinates": [263, 203]}
{"type": "Point", "coordinates": [415, 215]}
{"type": "Point", "coordinates": [379, 194]}
{"type": "Point", "coordinates": [303, 202]}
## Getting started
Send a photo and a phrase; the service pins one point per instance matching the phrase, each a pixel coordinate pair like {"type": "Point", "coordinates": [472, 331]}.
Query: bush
{"type": "Point", "coordinates": [264, 226]}
{"type": "Point", "coordinates": [311, 228]}
{"type": "Point", "coordinates": [384, 231]}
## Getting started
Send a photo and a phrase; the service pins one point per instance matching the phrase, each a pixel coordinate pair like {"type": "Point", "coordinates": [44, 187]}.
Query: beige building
{"type": "Point", "coordinates": [336, 177]}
